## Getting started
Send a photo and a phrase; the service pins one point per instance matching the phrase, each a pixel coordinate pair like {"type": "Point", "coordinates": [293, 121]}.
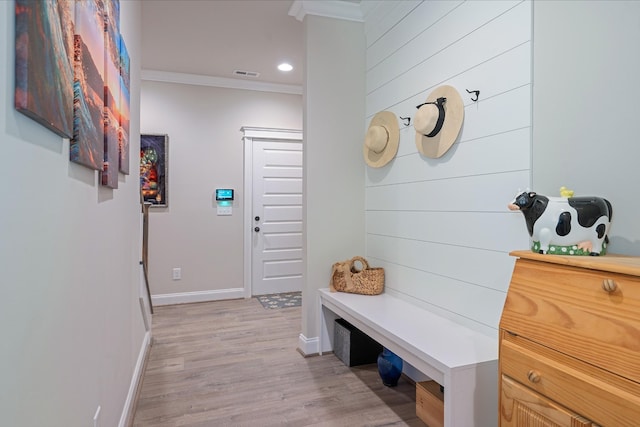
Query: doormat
{"type": "Point", "coordinates": [284, 300]}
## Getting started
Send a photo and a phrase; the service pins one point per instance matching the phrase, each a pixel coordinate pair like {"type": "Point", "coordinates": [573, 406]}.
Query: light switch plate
{"type": "Point", "coordinates": [225, 210]}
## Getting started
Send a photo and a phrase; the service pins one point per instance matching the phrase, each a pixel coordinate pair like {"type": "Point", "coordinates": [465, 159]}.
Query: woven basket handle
{"type": "Point", "coordinates": [352, 264]}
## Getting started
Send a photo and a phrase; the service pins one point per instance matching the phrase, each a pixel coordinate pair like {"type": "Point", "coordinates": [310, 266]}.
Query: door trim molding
{"type": "Point", "coordinates": [249, 136]}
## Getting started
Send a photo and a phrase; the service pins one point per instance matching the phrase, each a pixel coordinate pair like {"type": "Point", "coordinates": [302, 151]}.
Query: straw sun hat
{"type": "Point", "coordinates": [381, 140]}
{"type": "Point", "coordinates": [438, 121]}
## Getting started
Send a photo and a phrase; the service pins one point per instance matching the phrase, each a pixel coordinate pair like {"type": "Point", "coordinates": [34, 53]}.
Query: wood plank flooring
{"type": "Point", "coordinates": [235, 363]}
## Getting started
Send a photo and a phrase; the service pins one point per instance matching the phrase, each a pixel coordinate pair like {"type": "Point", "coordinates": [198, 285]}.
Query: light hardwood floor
{"type": "Point", "coordinates": [234, 363]}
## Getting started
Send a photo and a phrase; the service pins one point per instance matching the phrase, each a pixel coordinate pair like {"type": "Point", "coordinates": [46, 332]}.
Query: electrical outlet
{"type": "Point", "coordinates": [96, 417]}
{"type": "Point", "coordinates": [177, 273]}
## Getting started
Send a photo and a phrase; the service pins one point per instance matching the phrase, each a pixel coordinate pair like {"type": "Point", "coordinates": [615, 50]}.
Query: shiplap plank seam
{"type": "Point", "coordinates": [400, 104]}
{"type": "Point", "coordinates": [374, 60]}
{"type": "Point", "coordinates": [395, 13]}
{"type": "Point", "coordinates": [437, 51]}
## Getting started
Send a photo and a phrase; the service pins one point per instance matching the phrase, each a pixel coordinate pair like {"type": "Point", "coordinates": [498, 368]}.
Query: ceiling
{"type": "Point", "coordinates": [216, 37]}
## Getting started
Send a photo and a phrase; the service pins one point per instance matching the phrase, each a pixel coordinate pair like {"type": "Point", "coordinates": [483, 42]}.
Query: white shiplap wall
{"type": "Point", "coordinates": [440, 227]}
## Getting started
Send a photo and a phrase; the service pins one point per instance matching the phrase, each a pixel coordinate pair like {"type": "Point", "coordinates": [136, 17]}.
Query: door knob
{"type": "Point", "coordinates": [256, 229]}
{"type": "Point", "coordinates": [257, 218]}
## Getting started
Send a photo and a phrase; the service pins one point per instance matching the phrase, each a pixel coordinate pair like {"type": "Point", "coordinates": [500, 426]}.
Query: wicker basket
{"type": "Point", "coordinates": [346, 277]}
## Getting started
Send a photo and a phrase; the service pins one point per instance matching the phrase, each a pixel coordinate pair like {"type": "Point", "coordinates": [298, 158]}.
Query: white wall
{"type": "Point", "coordinates": [440, 227]}
{"type": "Point", "coordinates": [333, 161]}
{"type": "Point", "coordinates": [205, 153]}
{"type": "Point", "coordinates": [70, 320]}
{"type": "Point", "coordinates": [585, 107]}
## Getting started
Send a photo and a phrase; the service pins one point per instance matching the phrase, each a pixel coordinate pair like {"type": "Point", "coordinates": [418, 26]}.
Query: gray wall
{"type": "Point", "coordinates": [333, 165]}
{"type": "Point", "coordinates": [70, 320]}
{"type": "Point", "coordinates": [585, 106]}
{"type": "Point", "coordinates": [205, 153]}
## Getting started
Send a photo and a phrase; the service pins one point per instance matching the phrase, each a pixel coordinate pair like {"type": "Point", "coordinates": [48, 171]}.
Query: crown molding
{"type": "Point", "coordinates": [201, 80]}
{"type": "Point", "coordinates": [346, 10]}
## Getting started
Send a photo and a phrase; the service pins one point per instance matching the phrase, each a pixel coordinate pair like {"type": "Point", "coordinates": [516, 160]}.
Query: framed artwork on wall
{"type": "Point", "coordinates": [44, 63]}
{"type": "Point", "coordinates": [87, 145]}
{"type": "Point", "coordinates": [153, 169]}
{"type": "Point", "coordinates": [72, 75]}
{"type": "Point", "coordinates": [125, 101]}
{"type": "Point", "coordinates": [112, 105]}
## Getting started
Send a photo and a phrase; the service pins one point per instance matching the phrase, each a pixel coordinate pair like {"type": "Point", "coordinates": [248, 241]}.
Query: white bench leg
{"type": "Point", "coordinates": [467, 405]}
{"type": "Point", "coordinates": [327, 324]}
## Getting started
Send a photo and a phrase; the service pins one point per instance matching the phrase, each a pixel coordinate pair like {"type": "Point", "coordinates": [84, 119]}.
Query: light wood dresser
{"type": "Point", "coordinates": [569, 352]}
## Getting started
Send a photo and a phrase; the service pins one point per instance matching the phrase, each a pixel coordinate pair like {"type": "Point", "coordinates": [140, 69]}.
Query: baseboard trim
{"type": "Point", "coordinates": [126, 418]}
{"type": "Point", "coordinates": [200, 296]}
{"type": "Point", "coordinates": [308, 346]}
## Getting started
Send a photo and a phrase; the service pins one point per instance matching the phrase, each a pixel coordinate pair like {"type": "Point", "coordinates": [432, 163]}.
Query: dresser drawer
{"type": "Point", "coordinates": [596, 394]}
{"type": "Point", "coordinates": [568, 309]}
{"type": "Point", "coordinates": [522, 407]}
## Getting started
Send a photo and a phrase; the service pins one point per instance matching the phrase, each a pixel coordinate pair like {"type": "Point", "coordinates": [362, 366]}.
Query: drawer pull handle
{"type": "Point", "coordinates": [609, 285]}
{"type": "Point", "coordinates": [533, 376]}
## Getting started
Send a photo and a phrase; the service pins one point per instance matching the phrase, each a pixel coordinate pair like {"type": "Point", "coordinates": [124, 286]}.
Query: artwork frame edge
{"type": "Point", "coordinates": [162, 174]}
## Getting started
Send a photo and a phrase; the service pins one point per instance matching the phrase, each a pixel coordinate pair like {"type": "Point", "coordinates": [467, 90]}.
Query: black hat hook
{"type": "Point", "coordinates": [477, 92]}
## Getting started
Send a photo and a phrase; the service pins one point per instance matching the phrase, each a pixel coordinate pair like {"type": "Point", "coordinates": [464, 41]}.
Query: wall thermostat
{"type": "Point", "coordinates": [223, 194]}
{"type": "Point", "coordinates": [224, 200]}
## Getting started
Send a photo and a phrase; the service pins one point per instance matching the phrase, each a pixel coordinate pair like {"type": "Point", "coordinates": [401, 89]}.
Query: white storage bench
{"type": "Point", "coordinates": [462, 360]}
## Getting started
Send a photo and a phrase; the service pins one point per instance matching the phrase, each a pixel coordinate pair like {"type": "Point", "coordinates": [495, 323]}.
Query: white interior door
{"type": "Point", "coordinates": [277, 243]}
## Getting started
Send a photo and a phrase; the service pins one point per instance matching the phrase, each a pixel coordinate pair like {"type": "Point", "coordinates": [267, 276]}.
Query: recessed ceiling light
{"type": "Point", "coordinates": [285, 67]}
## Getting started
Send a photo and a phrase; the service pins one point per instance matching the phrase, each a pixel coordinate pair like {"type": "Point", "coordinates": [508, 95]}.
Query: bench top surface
{"type": "Point", "coordinates": [424, 333]}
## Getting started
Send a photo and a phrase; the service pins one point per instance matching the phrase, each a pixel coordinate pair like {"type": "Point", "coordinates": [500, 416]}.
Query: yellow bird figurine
{"type": "Point", "coordinates": [565, 192]}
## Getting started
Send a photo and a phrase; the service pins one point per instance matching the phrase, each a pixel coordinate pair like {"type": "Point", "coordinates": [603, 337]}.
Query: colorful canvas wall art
{"type": "Point", "coordinates": [153, 169]}
{"type": "Point", "coordinates": [87, 145]}
{"type": "Point", "coordinates": [43, 65]}
{"type": "Point", "coordinates": [125, 99]}
{"type": "Point", "coordinates": [72, 75]}
{"type": "Point", "coordinates": [111, 165]}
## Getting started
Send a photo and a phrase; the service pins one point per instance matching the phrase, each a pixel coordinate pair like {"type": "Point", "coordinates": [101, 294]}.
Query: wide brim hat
{"type": "Point", "coordinates": [438, 121]}
{"type": "Point", "coordinates": [382, 139]}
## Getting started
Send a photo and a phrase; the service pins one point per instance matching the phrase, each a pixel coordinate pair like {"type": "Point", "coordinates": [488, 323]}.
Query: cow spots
{"type": "Point", "coordinates": [564, 224]}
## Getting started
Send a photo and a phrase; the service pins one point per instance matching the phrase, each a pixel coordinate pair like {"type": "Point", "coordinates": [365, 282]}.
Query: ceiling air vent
{"type": "Point", "coordinates": [243, 73]}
